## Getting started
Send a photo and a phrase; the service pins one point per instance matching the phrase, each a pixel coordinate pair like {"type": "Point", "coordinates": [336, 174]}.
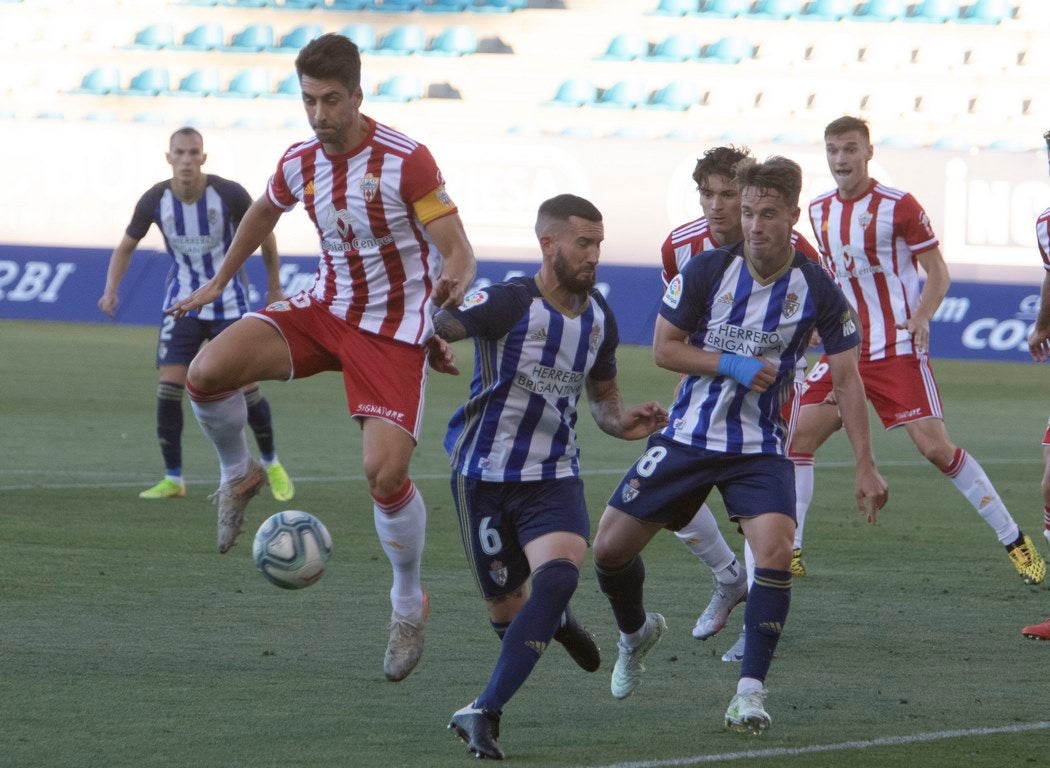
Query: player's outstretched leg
{"type": "Point", "coordinates": [747, 712]}
{"type": "Point", "coordinates": [627, 673]}
{"type": "Point", "coordinates": [578, 641]}
{"type": "Point", "coordinates": [479, 728]}
{"type": "Point", "coordinates": [232, 498]}
{"type": "Point", "coordinates": [1027, 560]}
{"type": "Point", "coordinates": [725, 598]}
{"type": "Point", "coordinates": [1038, 631]}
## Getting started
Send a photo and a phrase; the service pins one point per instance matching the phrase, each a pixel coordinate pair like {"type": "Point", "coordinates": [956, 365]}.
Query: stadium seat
{"type": "Point", "coordinates": [944, 104]}
{"type": "Point", "coordinates": [834, 51]}
{"type": "Point", "coordinates": [724, 9]}
{"type": "Point", "coordinates": [443, 6]}
{"type": "Point", "coordinates": [456, 40]}
{"type": "Point", "coordinates": [401, 87]}
{"type": "Point", "coordinates": [390, 6]}
{"type": "Point", "coordinates": [780, 49]}
{"type": "Point", "coordinates": [887, 53]}
{"type": "Point", "coordinates": [939, 54]}
{"type": "Point", "coordinates": [678, 95]}
{"type": "Point", "coordinates": [828, 10]}
{"type": "Point", "coordinates": [731, 49]}
{"type": "Point", "coordinates": [346, 5]}
{"type": "Point", "coordinates": [254, 38]}
{"type": "Point", "coordinates": [153, 81]}
{"type": "Point", "coordinates": [986, 12]}
{"type": "Point", "coordinates": [626, 46]}
{"type": "Point", "coordinates": [497, 6]}
{"type": "Point", "coordinates": [200, 82]}
{"type": "Point", "coordinates": [299, 5]}
{"type": "Point", "coordinates": [575, 92]}
{"type": "Point", "coordinates": [992, 56]}
{"type": "Point", "coordinates": [677, 7]}
{"type": "Point", "coordinates": [154, 37]}
{"type": "Point", "coordinates": [297, 37]}
{"type": "Point", "coordinates": [250, 83]}
{"type": "Point", "coordinates": [778, 10]}
{"type": "Point", "coordinates": [727, 99]}
{"type": "Point", "coordinates": [100, 81]}
{"type": "Point", "coordinates": [882, 11]}
{"type": "Point", "coordinates": [206, 37]}
{"type": "Point", "coordinates": [675, 47]}
{"type": "Point", "coordinates": [364, 35]}
{"type": "Point", "coordinates": [250, 3]}
{"type": "Point", "coordinates": [402, 40]}
{"type": "Point", "coordinates": [934, 11]}
{"type": "Point", "coordinates": [288, 87]}
{"type": "Point", "coordinates": [888, 102]}
{"type": "Point", "coordinates": [624, 94]}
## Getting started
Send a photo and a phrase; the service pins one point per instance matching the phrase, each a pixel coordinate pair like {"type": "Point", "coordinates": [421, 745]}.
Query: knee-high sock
{"type": "Point", "coordinates": [803, 492]}
{"type": "Point", "coordinates": [529, 634]}
{"type": "Point", "coordinates": [623, 587]}
{"type": "Point", "coordinates": [261, 422]}
{"type": "Point", "coordinates": [169, 426]}
{"type": "Point", "coordinates": [222, 418]}
{"type": "Point", "coordinates": [968, 476]}
{"type": "Point", "coordinates": [702, 537]}
{"type": "Point", "coordinates": [401, 523]}
{"type": "Point", "coordinates": [765, 613]}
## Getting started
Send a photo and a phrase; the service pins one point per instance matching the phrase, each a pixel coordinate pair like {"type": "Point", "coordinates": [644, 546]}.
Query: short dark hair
{"type": "Point", "coordinates": [718, 161]}
{"type": "Point", "coordinates": [776, 173]}
{"type": "Point", "coordinates": [846, 124]}
{"type": "Point", "coordinates": [186, 130]}
{"type": "Point", "coordinates": [331, 57]}
{"type": "Point", "coordinates": [561, 207]}
{"type": "Point", "coordinates": [1046, 138]}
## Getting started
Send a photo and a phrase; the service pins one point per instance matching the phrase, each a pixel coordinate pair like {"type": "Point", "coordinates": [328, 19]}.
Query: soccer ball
{"type": "Point", "coordinates": [292, 549]}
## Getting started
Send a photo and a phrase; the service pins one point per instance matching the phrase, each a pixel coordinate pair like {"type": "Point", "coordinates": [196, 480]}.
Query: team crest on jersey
{"type": "Point", "coordinates": [369, 187]}
{"type": "Point", "coordinates": [213, 216]}
{"type": "Point", "coordinates": [474, 299]}
{"type": "Point", "coordinates": [278, 306]}
{"type": "Point", "coordinates": [498, 573]}
{"type": "Point", "coordinates": [864, 220]}
{"type": "Point", "coordinates": [595, 340]}
{"type": "Point", "coordinates": [791, 304]}
{"type": "Point", "coordinates": [630, 491]}
{"type": "Point", "coordinates": [673, 294]}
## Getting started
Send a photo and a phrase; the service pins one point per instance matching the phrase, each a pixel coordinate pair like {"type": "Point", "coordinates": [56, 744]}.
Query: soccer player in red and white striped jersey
{"type": "Point", "coordinates": [392, 249]}
{"type": "Point", "coordinates": [875, 238]}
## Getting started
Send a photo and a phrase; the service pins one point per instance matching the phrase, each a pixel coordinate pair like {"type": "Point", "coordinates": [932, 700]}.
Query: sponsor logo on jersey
{"type": "Point", "coordinates": [475, 299]}
{"type": "Point", "coordinates": [726, 298]}
{"type": "Point", "coordinates": [369, 187]}
{"type": "Point", "coordinates": [373, 409]}
{"type": "Point", "coordinates": [545, 380]}
{"type": "Point", "coordinates": [498, 573]}
{"type": "Point", "coordinates": [848, 326]}
{"type": "Point", "coordinates": [537, 646]}
{"type": "Point", "coordinates": [540, 334]}
{"type": "Point", "coordinates": [673, 294]}
{"type": "Point", "coordinates": [308, 190]}
{"type": "Point", "coordinates": [744, 341]}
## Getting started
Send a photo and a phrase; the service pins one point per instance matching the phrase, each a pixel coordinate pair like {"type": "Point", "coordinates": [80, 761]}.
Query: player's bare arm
{"type": "Point", "coordinates": [1039, 340]}
{"type": "Point", "coordinates": [459, 270]}
{"type": "Point", "coordinates": [672, 351]}
{"type": "Point", "coordinates": [635, 423]}
{"type": "Point", "coordinates": [272, 261]}
{"type": "Point", "coordinates": [871, 491]}
{"type": "Point", "coordinates": [933, 292]}
{"type": "Point", "coordinates": [257, 224]}
{"type": "Point", "coordinates": [440, 354]}
{"type": "Point", "coordinates": [118, 267]}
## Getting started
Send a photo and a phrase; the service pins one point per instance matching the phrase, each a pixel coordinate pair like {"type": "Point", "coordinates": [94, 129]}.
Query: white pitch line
{"type": "Point", "coordinates": [886, 741]}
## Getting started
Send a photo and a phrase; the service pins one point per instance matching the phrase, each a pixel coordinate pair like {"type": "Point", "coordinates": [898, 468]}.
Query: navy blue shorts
{"type": "Point", "coordinates": [181, 338]}
{"type": "Point", "coordinates": [671, 480]}
{"type": "Point", "coordinates": [497, 520]}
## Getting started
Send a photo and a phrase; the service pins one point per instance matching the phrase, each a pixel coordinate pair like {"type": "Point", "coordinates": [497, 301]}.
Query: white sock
{"type": "Point", "coordinates": [803, 495]}
{"type": "Point", "coordinates": [702, 537]}
{"type": "Point", "coordinates": [748, 684]}
{"type": "Point", "coordinates": [631, 640]}
{"type": "Point", "coordinates": [974, 484]}
{"type": "Point", "coordinates": [222, 422]}
{"type": "Point", "coordinates": [401, 525]}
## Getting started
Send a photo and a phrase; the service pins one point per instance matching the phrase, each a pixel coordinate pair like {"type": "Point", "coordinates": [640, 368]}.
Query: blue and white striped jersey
{"type": "Point", "coordinates": [531, 361]}
{"type": "Point", "coordinates": [197, 236]}
{"type": "Point", "coordinates": [725, 308]}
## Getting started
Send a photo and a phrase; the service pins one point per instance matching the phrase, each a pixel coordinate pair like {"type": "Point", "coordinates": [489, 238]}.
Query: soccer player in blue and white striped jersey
{"type": "Point", "coordinates": [735, 322]}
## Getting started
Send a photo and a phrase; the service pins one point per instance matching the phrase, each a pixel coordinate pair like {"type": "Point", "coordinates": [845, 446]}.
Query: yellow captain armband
{"type": "Point", "coordinates": [434, 205]}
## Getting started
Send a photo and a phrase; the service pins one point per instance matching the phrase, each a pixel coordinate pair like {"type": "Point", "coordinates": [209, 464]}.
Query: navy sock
{"type": "Point", "coordinates": [261, 422]}
{"type": "Point", "coordinates": [499, 627]}
{"type": "Point", "coordinates": [765, 613]}
{"type": "Point", "coordinates": [531, 631]}
{"type": "Point", "coordinates": [623, 587]}
{"type": "Point", "coordinates": [169, 426]}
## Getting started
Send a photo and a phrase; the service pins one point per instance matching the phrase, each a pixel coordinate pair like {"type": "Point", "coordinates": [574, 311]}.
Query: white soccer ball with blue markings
{"type": "Point", "coordinates": [292, 549]}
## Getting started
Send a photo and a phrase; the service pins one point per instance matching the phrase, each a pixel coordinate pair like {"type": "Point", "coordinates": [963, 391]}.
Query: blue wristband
{"type": "Point", "coordinates": [743, 369]}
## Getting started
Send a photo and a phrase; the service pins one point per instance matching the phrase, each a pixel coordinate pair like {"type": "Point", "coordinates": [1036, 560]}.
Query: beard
{"type": "Point", "coordinates": [576, 281]}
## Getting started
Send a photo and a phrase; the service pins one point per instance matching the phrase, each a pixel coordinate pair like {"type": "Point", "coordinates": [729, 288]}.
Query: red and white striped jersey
{"type": "Point", "coordinates": [378, 265]}
{"type": "Point", "coordinates": [691, 238]}
{"type": "Point", "coordinates": [871, 245]}
{"type": "Point", "coordinates": [1042, 234]}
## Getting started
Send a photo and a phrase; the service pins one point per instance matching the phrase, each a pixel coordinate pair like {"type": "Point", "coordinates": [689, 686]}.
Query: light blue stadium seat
{"type": "Point", "coordinates": [829, 10]}
{"type": "Point", "coordinates": [206, 37]}
{"type": "Point", "coordinates": [364, 35]}
{"type": "Point", "coordinates": [678, 46]}
{"type": "Point", "coordinates": [402, 40]}
{"type": "Point", "coordinates": [203, 81]}
{"type": "Point", "coordinates": [677, 7]}
{"type": "Point", "coordinates": [100, 81]}
{"type": "Point", "coordinates": [298, 36]}
{"type": "Point", "coordinates": [250, 83]}
{"type": "Point", "coordinates": [986, 12]}
{"type": "Point", "coordinates": [249, 3]}
{"type": "Point", "coordinates": [444, 6]}
{"type": "Point", "coordinates": [497, 6]}
{"type": "Point", "coordinates": [627, 46]}
{"type": "Point", "coordinates": [401, 87]}
{"type": "Point", "coordinates": [154, 37]}
{"type": "Point", "coordinates": [456, 40]}
{"type": "Point", "coordinates": [575, 92]}
{"type": "Point", "coordinates": [288, 87]}
{"type": "Point", "coordinates": [724, 9]}
{"type": "Point", "coordinates": [882, 11]}
{"type": "Point", "coordinates": [300, 5]}
{"type": "Point", "coordinates": [254, 38]}
{"type": "Point", "coordinates": [624, 94]}
{"type": "Point", "coordinates": [390, 6]}
{"type": "Point", "coordinates": [935, 11]}
{"type": "Point", "coordinates": [776, 9]}
{"type": "Point", "coordinates": [678, 95]}
{"type": "Point", "coordinates": [152, 81]}
{"type": "Point", "coordinates": [346, 5]}
{"type": "Point", "coordinates": [731, 49]}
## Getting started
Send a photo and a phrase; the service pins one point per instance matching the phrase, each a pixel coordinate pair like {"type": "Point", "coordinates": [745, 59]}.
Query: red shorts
{"type": "Point", "coordinates": [384, 378]}
{"type": "Point", "coordinates": [902, 389]}
{"type": "Point", "coordinates": [1046, 437]}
